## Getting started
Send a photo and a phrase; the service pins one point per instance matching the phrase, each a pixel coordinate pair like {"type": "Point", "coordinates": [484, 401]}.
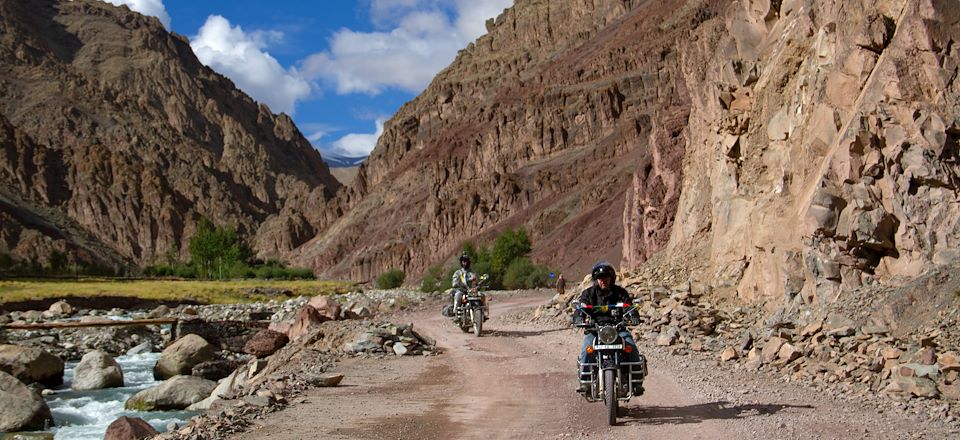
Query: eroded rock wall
{"type": "Point", "coordinates": [822, 147]}
{"type": "Point", "coordinates": [541, 123]}
{"type": "Point", "coordinates": [114, 134]}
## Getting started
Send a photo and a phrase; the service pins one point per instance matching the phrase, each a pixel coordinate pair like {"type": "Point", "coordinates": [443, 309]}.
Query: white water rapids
{"type": "Point", "coordinates": [81, 415]}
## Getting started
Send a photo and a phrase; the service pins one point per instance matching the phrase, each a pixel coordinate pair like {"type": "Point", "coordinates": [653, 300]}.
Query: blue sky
{"type": "Point", "coordinates": [340, 68]}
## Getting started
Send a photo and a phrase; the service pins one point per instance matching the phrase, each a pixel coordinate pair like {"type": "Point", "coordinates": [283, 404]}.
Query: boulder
{"type": "Point", "coordinates": [919, 370]}
{"type": "Point", "coordinates": [21, 409]}
{"type": "Point", "coordinates": [281, 327]}
{"type": "Point", "coordinates": [668, 337]}
{"type": "Point", "coordinates": [326, 306]}
{"type": "Point", "coordinates": [159, 312]}
{"type": "Point", "coordinates": [916, 386]}
{"type": "Point", "coordinates": [788, 353]}
{"type": "Point", "coordinates": [325, 380]}
{"type": "Point", "coordinates": [175, 393]}
{"type": "Point", "coordinates": [146, 347]}
{"type": "Point", "coordinates": [358, 312]}
{"type": "Point", "coordinates": [728, 354]}
{"type": "Point", "coordinates": [265, 343]}
{"type": "Point", "coordinates": [129, 428]}
{"type": "Point", "coordinates": [771, 349]}
{"type": "Point", "coordinates": [60, 308]}
{"type": "Point", "coordinates": [754, 359]}
{"type": "Point", "coordinates": [226, 386]}
{"type": "Point", "coordinates": [949, 361]}
{"type": "Point", "coordinates": [181, 356]}
{"type": "Point", "coordinates": [214, 370]}
{"type": "Point", "coordinates": [31, 365]}
{"type": "Point", "coordinates": [97, 370]}
{"type": "Point", "coordinates": [307, 318]}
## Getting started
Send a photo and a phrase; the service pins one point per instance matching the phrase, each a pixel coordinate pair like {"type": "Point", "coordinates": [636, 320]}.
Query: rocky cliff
{"type": "Point", "coordinates": [821, 149]}
{"type": "Point", "coordinates": [115, 140]}
{"type": "Point", "coordinates": [542, 123]}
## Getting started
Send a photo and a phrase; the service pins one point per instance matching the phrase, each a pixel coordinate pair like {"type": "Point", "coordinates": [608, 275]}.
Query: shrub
{"type": "Point", "coordinates": [435, 280]}
{"type": "Point", "coordinates": [523, 274]}
{"type": "Point", "coordinates": [391, 279]}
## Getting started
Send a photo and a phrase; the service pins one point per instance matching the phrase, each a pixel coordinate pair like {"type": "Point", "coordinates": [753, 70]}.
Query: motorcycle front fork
{"type": "Point", "coordinates": [592, 376]}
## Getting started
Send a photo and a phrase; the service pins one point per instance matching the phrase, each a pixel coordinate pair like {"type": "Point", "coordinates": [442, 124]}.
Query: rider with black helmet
{"type": "Point", "coordinates": [463, 279]}
{"type": "Point", "coordinates": [604, 291]}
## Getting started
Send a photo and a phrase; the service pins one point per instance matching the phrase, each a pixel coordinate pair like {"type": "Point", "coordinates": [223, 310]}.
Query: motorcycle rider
{"type": "Point", "coordinates": [604, 291]}
{"type": "Point", "coordinates": [462, 280]}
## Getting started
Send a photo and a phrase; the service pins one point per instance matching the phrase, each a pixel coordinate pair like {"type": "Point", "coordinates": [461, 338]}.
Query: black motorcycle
{"type": "Point", "coordinates": [609, 376]}
{"type": "Point", "coordinates": [472, 310]}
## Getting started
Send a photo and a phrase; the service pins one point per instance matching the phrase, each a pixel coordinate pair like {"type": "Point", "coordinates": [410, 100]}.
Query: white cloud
{"type": "Point", "coordinates": [147, 7]}
{"type": "Point", "coordinates": [355, 145]}
{"type": "Point", "coordinates": [472, 16]}
{"type": "Point", "coordinates": [422, 41]}
{"type": "Point", "coordinates": [241, 57]}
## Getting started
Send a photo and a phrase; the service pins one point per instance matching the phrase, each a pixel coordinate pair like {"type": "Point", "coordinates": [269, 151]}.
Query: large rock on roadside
{"type": "Point", "coordinates": [265, 343]}
{"type": "Point", "coordinates": [214, 370]}
{"type": "Point", "coordinates": [21, 409]}
{"type": "Point", "coordinates": [307, 318]}
{"type": "Point", "coordinates": [916, 386]}
{"type": "Point", "coordinates": [326, 306]}
{"type": "Point", "coordinates": [175, 393]}
{"type": "Point", "coordinates": [97, 370]}
{"type": "Point", "coordinates": [668, 336]}
{"type": "Point", "coordinates": [181, 356]}
{"type": "Point", "coordinates": [771, 349]}
{"type": "Point", "coordinates": [31, 365]}
{"type": "Point", "coordinates": [226, 386]}
{"type": "Point", "coordinates": [129, 428]}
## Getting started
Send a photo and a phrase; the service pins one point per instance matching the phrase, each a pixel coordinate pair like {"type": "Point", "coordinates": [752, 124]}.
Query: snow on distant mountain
{"type": "Point", "coordinates": [335, 160]}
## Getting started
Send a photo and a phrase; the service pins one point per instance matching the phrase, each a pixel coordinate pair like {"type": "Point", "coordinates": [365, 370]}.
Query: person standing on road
{"type": "Point", "coordinates": [561, 284]}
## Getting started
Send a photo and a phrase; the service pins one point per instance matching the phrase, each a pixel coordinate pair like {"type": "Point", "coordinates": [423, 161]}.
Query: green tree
{"type": "Point", "coordinates": [512, 244]}
{"type": "Point", "coordinates": [214, 250]}
{"type": "Point", "coordinates": [57, 262]}
{"type": "Point", "coordinates": [6, 261]}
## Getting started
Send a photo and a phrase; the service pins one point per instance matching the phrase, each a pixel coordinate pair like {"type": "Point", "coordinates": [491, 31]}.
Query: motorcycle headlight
{"type": "Point", "coordinates": [608, 334]}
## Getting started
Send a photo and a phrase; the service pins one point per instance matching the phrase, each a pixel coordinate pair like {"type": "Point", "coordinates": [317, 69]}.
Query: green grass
{"type": "Point", "coordinates": [207, 292]}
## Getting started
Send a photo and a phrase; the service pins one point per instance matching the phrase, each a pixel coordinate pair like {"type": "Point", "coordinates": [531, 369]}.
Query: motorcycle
{"type": "Point", "coordinates": [472, 311]}
{"type": "Point", "coordinates": [609, 376]}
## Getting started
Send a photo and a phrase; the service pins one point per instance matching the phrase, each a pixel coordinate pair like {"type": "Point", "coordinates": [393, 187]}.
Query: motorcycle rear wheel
{"type": "Point", "coordinates": [610, 395]}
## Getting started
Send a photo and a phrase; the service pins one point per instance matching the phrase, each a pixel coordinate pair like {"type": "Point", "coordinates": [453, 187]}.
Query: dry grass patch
{"type": "Point", "coordinates": [207, 292]}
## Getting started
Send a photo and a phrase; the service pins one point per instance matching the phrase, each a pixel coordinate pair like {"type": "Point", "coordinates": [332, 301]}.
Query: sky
{"type": "Point", "coordinates": [340, 68]}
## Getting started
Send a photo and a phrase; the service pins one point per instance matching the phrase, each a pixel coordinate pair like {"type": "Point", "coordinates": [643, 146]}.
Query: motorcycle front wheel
{"type": "Point", "coordinates": [477, 322]}
{"type": "Point", "coordinates": [610, 395]}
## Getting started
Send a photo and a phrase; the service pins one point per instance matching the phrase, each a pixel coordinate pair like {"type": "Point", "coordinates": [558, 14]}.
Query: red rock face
{"type": "Point", "coordinates": [115, 140]}
{"type": "Point", "coordinates": [541, 123]}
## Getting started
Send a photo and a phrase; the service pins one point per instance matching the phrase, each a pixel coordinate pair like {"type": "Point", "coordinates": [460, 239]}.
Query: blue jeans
{"type": "Point", "coordinates": [633, 356]}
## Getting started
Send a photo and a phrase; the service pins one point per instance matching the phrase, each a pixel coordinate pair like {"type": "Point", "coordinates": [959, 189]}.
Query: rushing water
{"type": "Point", "coordinates": [86, 414]}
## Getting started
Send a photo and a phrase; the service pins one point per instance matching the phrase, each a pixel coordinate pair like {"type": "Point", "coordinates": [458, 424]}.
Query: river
{"type": "Point", "coordinates": [81, 415]}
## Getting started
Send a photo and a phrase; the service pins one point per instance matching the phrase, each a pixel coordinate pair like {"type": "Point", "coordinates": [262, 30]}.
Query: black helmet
{"type": "Point", "coordinates": [463, 258]}
{"type": "Point", "coordinates": [604, 269]}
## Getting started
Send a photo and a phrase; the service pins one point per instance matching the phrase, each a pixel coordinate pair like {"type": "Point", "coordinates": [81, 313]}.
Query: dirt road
{"type": "Point", "coordinates": [517, 381]}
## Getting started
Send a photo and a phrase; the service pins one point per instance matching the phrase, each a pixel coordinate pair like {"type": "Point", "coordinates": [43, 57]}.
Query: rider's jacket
{"type": "Point", "coordinates": [594, 296]}
{"type": "Point", "coordinates": [462, 279]}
